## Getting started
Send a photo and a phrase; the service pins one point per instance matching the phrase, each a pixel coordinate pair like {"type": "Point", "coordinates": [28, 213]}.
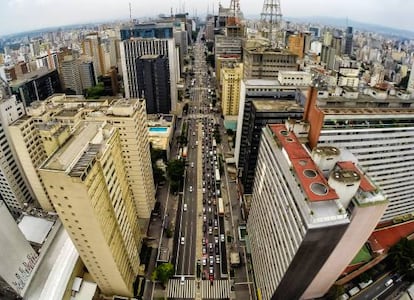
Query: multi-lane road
{"type": "Point", "coordinates": [201, 243]}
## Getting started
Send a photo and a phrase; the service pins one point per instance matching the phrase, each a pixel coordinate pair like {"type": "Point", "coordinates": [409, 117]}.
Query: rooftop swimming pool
{"type": "Point", "coordinates": [158, 129]}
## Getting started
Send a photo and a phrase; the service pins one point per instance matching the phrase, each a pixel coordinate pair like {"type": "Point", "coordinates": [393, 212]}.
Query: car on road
{"type": "Point", "coordinates": [204, 261]}
{"type": "Point", "coordinates": [210, 230]}
{"type": "Point", "coordinates": [217, 259]}
{"type": "Point", "coordinates": [192, 164]}
{"type": "Point", "coordinates": [182, 280]}
{"type": "Point", "coordinates": [191, 188]}
{"type": "Point", "coordinates": [182, 240]}
{"type": "Point", "coordinates": [211, 260]}
{"type": "Point", "coordinates": [185, 207]}
{"type": "Point", "coordinates": [222, 237]}
{"type": "Point", "coordinates": [216, 248]}
{"type": "Point", "coordinates": [216, 239]}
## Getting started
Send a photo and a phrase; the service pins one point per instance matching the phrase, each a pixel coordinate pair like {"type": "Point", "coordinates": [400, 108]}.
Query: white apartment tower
{"type": "Point", "coordinates": [14, 190]}
{"type": "Point", "coordinates": [300, 222]}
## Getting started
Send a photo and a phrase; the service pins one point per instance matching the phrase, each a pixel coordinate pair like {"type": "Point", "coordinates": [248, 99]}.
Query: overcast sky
{"type": "Point", "coordinates": [23, 15]}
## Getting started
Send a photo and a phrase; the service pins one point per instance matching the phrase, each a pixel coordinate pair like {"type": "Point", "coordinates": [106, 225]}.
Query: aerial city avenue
{"type": "Point", "coordinates": [236, 150]}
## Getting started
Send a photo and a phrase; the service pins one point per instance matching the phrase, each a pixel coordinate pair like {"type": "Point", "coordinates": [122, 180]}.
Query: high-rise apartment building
{"type": "Point", "coordinates": [49, 124]}
{"type": "Point", "coordinates": [231, 77]}
{"type": "Point", "coordinates": [154, 83]}
{"type": "Point", "coordinates": [17, 257]}
{"type": "Point", "coordinates": [88, 185]}
{"type": "Point", "coordinates": [134, 48]}
{"type": "Point", "coordinates": [309, 214]}
{"type": "Point", "coordinates": [14, 189]}
{"type": "Point", "coordinates": [264, 63]}
{"type": "Point", "coordinates": [91, 46]}
{"type": "Point", "coordinates": [130, 118]}
{"type": "Point", "coordinates": [377, 129]}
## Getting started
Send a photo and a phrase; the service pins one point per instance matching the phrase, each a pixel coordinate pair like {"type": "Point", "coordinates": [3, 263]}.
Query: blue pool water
{"type": "Point", "coordinates": [158, 129]}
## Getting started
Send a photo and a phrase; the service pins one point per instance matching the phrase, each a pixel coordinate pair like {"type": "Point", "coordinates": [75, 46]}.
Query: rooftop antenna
{"type": "Point", "coordinates": [130, 13]}
{"type": "Point", "coordinates": [271, 22]}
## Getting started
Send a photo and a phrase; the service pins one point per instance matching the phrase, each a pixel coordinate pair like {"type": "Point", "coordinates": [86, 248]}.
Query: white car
{"type": "Point", "coordinates": [204, 261]}
{"type": "Point", "coordinates": [182, 280]}
{"type": "Point", "coordinates": [192, 165]}
{"type": "Point", "coordinates": [182, 240]}
{"type": "Point", "coordinates": [185, 207]}
{"type": "Point", "coordinates": [191, 188]}
{"type": "Point", "coordinates": [222, 237]}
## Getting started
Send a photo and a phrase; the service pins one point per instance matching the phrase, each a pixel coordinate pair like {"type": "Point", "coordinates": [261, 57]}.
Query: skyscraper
{"type": "Point", "coordinates": [14, 190]}
{"type": "Point", "coordinates": [304, 228]}
{"type": "Point", "coordinates": [410, 85]}
{"type": "Point", "coordinates": [349, 36]}
{"type": "Point", "coordinates": [88, 185]}
{"type": "Point", "coordinates": [91, 47]}
{"type": "Point", "coordinates": [231, 77]}
{"type": "Point", "coordinates": [71, 76]}
{"type": "Point", "coordinates": [154, 83]}
{"type": "Point", "coordinates": [134, 48]}
{"type": "Point", "coordinates": [378, 132]}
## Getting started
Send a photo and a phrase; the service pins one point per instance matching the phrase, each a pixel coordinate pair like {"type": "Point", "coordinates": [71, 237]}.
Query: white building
{"type": "Point", "coordinates": [300, 222]}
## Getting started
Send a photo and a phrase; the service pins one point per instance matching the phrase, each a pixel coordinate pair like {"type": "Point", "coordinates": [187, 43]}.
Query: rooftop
{"type": "Point", "coordinates": [311, 179]}
{"type": "Point", "coordinates": [35, 229]}
{"type": "Point", "coordinates": [276, 105]}
{"type": "Point", "coordinates": [77, 149]}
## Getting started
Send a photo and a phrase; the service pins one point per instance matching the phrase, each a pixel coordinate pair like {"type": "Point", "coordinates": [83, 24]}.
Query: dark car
{"type": "Point", "coordinates": [210, 222]}
{"type": "Point", "coordinates": [204, 228]}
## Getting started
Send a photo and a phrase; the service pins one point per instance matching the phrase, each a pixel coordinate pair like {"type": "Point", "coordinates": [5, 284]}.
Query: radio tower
{"type": "Point", "coordinates": [271, 22]}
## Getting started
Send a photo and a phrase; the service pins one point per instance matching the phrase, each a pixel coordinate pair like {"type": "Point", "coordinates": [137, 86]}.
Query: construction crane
{"type": "Point", "coordinates": [271, 23]}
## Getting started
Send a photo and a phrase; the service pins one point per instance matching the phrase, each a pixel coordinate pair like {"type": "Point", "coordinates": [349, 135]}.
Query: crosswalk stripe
{"type": "Point", "coordinates": [219, 290]}
{"type": "Point", "coordinates": [176, 290]}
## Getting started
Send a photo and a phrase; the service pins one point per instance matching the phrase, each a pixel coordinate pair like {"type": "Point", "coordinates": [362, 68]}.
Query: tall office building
{"type": "Point", "coordinates": [14, 189]}
{"type": "Point", "coordinates": [251, 121]}
{"type": "Point", "coordinates": [17, 257]}
{"type": "Point", "coordinates": [231, 77]}
{"type": "Point", "coordinates": [88, 185]}
{"type": "Point", "coordinates": [134, 48]}
{"type": "Point", "coordinates": [296, 44]}
{"type": "Point", "coordinates": [377, 129]}
{"type": "Point", "coordinates": [87, 74]}
{"type": "Point", "coordinates": [349, 36]}
{"type": "Point", "coordinates": [304, 228]}
{"type": "Point", "coordinates": [36, 85]}
{"type": "Point", "coordinates": [91, 47]}
{"type": "Point", "coordinates": [154, 83]}
{"type": "Point", "coordinates": [71, 76]}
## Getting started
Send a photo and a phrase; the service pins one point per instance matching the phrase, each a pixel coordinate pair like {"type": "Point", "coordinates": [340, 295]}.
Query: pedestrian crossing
{"type": "Point", "coordinates": [219, 290]}
{"type": "Point", "coordinates": [176, 289]}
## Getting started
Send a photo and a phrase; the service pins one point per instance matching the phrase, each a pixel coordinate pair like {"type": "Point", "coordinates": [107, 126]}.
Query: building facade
{"type": "Point", "coordinates": [134, 48]}
{"type": "Point", "coordinates": [378, 131]}
{"type": "Point", "coordinates": [231, 77]}
{"type": "Point", "coordinates": [14, 188]}
{"type": "Point", "coordinates": [154, 83]}
{"type": "Point", "coordinates": [309, 212]}
{"type": "Point", "coordinates": [264, 63]}
{"type": "Point", "coordinates": [87, 180]}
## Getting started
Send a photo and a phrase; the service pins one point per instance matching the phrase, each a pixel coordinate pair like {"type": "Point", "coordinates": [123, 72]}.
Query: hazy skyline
{"type": "Point", "coordinates": [25, 15]}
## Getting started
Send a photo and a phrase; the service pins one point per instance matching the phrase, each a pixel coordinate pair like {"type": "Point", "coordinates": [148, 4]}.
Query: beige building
{"type": "Point", "coordinates": [231, 77]}
{"type": "Point", "coordinates": [88, 185]}
{"type": "Point", "coordinates": [129, 116]}
{"type": "Point", "coordinates": [265, 63]}
{"type": "Point", "coordinates": [49, 123]}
